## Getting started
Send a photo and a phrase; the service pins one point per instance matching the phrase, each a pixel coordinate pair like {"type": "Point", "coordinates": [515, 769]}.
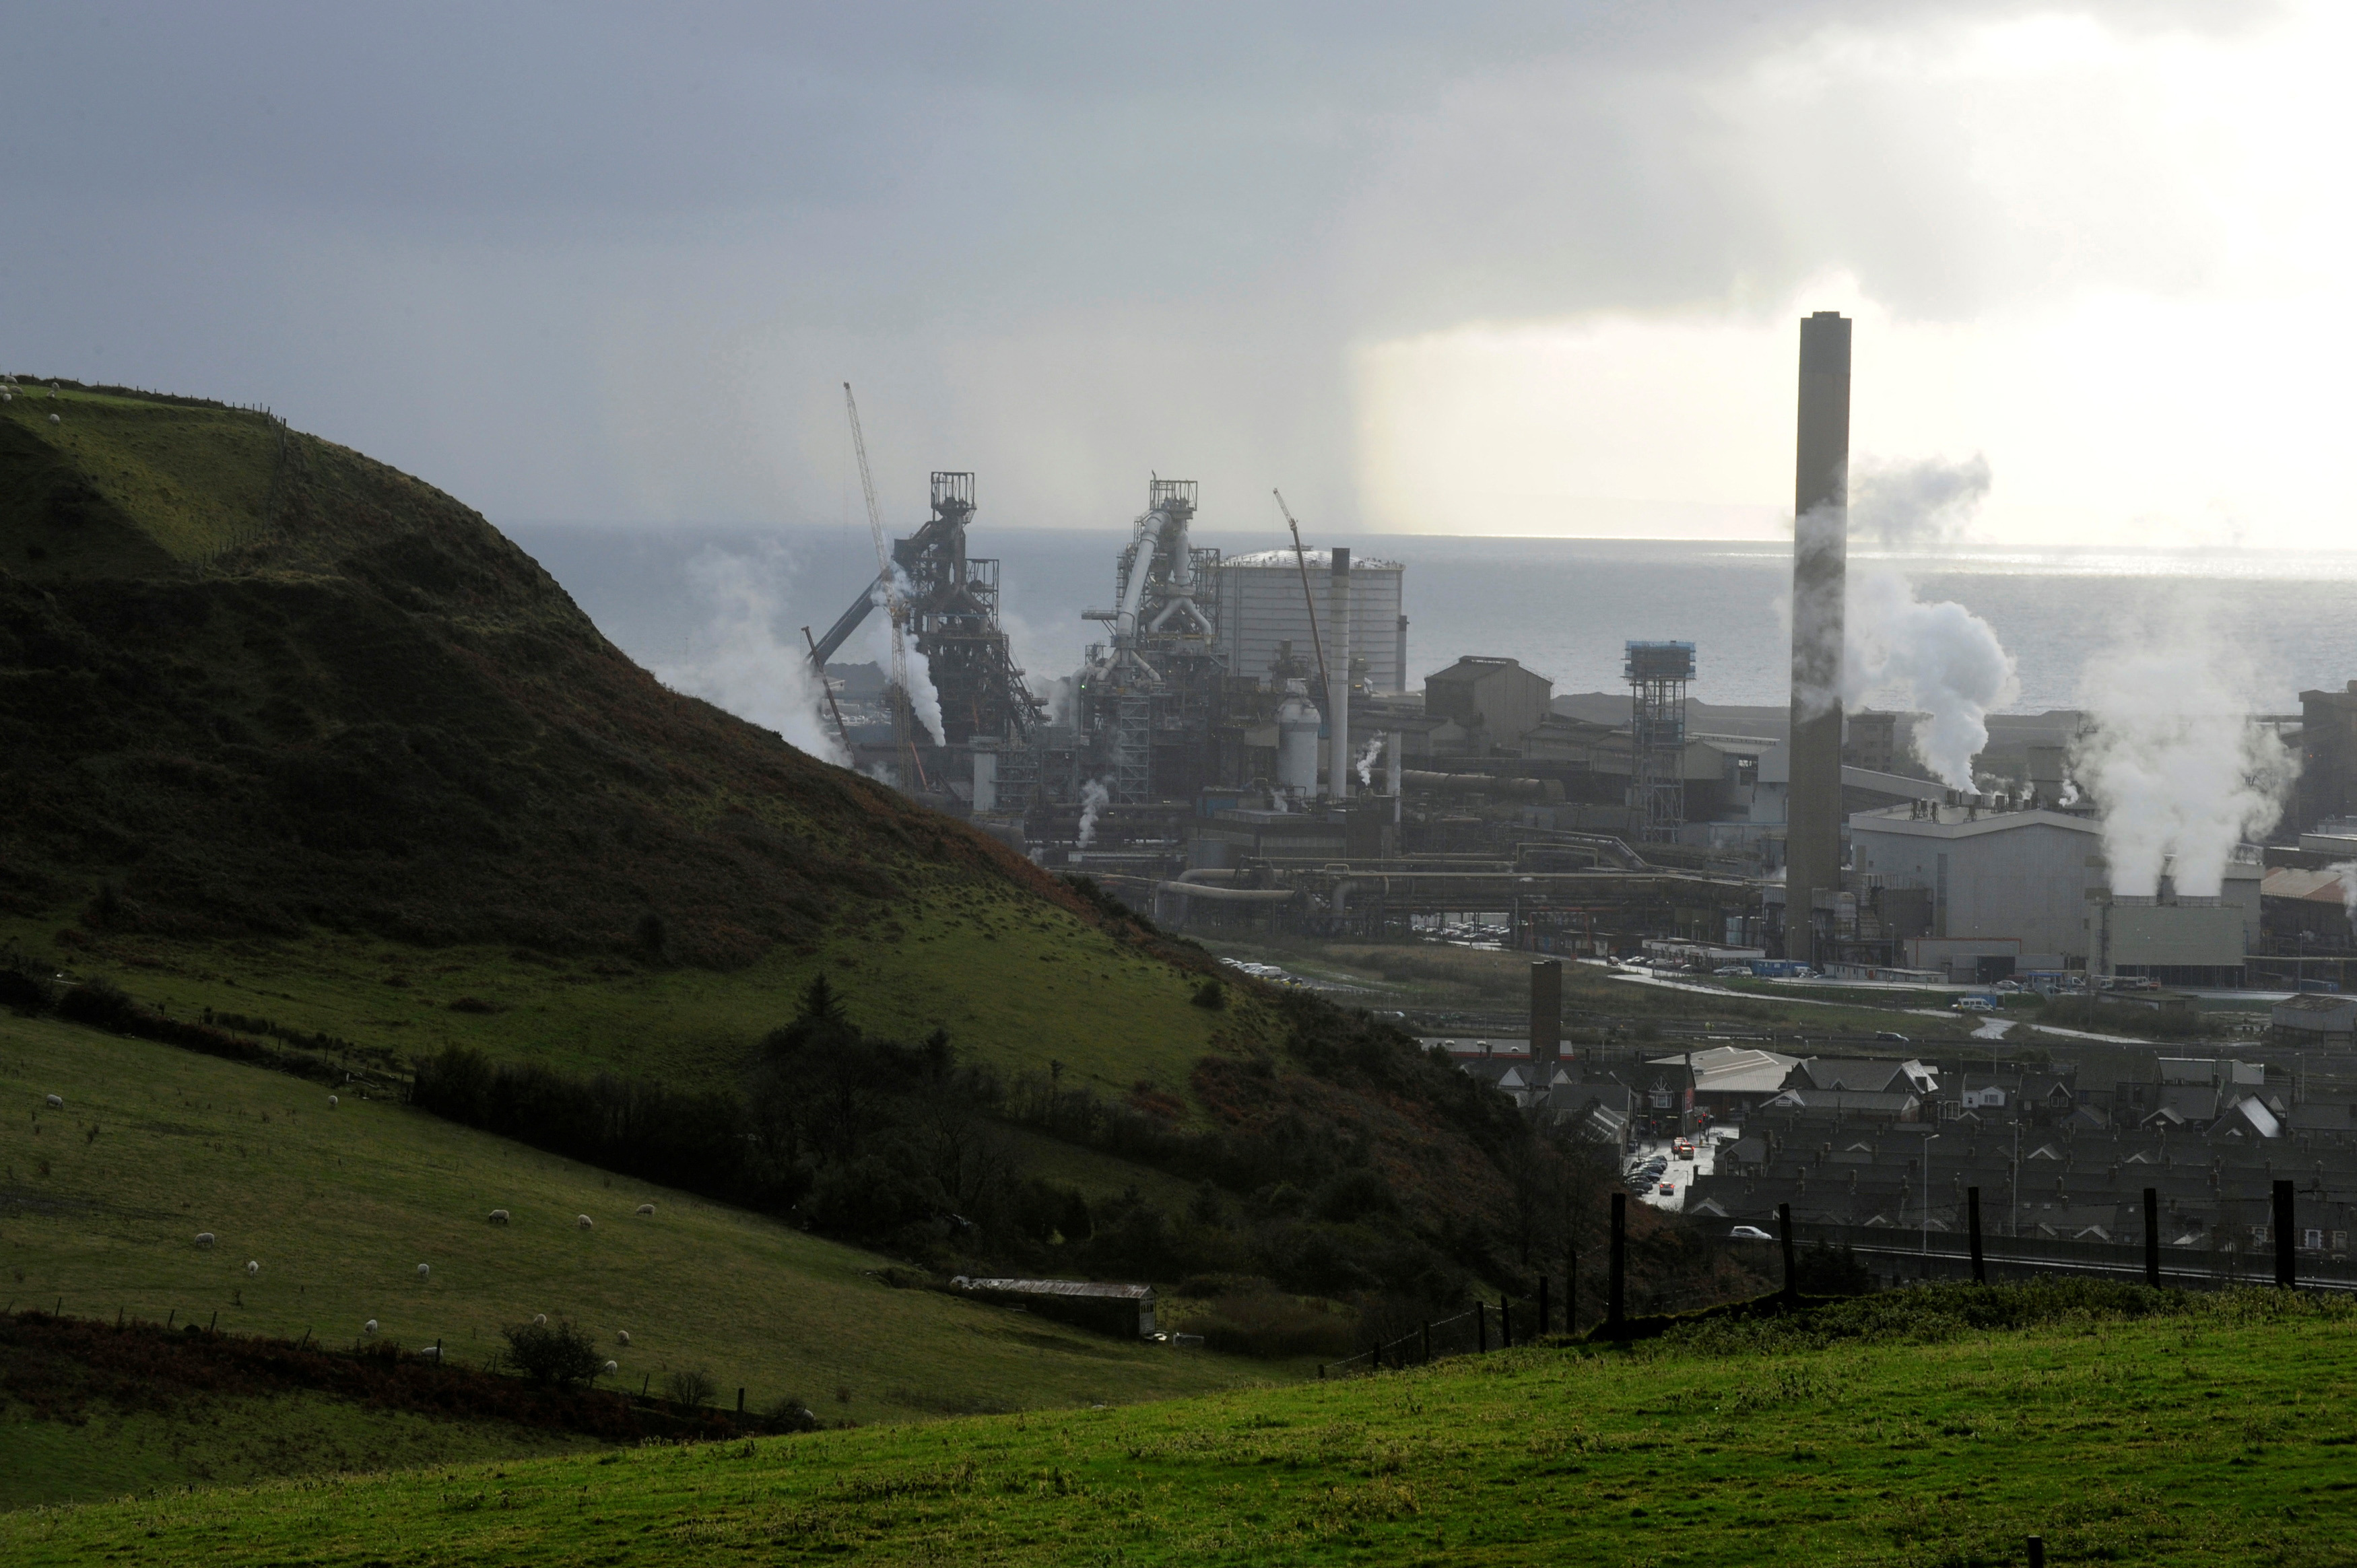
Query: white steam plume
{"type": "Point", "coordinates": [2179, 770]}
{"type": "Point", "coordinates": [924, 702]}
{"type": "Point", "coordinates": [1095, 798]}
{"type": "Point", "coordinates": [1366, 763]}
{"type": "Point", "coordinates": [741, 662]}
{"type": "Point", "coordinates": [1927, 502]}
{"type": "Point", "coordinates": [1939, 658]}
{"type": "Point", "coordinates": [2347, 871]}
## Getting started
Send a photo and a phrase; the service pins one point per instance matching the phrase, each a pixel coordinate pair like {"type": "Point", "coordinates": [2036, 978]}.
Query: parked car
{"type": "Point", "coordinates": [1748, 1233]}
{"type": "Point", "coordinates": [1667, 1190]}
{"type": "Point", "coordinates": [1889, 1034]}
{"type": "Point", "coordinates": [1737, 971]}
{"type": "Point", "coordinates": [1972, 1004]}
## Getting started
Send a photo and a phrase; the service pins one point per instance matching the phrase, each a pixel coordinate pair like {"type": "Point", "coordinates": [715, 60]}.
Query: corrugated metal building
{"type": "Point", "coordinates": [1260, 607]}
{"type": "Point", "coordinates": [1125, 1310]}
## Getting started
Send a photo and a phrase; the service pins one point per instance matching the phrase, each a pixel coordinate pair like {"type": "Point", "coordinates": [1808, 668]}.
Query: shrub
{"type": "Point", "coordinates": [791, 1414]}
{"type": "Point", "coordinates": [691, 1387]}
{"type": "Point", "coordinates": [552, 1354]}
{"type": "Point", "coordinates": [1211, 995]}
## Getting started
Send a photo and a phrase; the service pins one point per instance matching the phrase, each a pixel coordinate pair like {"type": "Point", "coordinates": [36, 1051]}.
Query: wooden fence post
{"type": "Point", "coordinates": [2152, 1237]}
{"type": "Point", "coordinates": [1973, 1227]}
{"type": "Point", "coordinates": [2037, 1551]}
{"type": "Point", "coordinates": [1481, 1326]}
{"type": "Point", "coordinates": [1571, 1290]}
{"type": "Point", "coordinates": [1784, 1234]}
{"type": "Point", "coordinates": [2282, 1234]}
{"type": "Point", "coordinates": [1616, 1286]}
{"type": "Point", "coordinates": [1427, 1341]}
{"type": "Point", "coordinates": [1505, 1320]}
{"type": "Point", "coordinates": [740, 1402]}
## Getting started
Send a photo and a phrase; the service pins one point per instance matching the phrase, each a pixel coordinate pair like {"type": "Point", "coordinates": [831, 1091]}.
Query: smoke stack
{"type": "Point", "coordinates": [1820, 564]}
{"type": "Point", "coordinates": [1338, 699]}
{"type": "Point", "coordinates": [1547, 1020]}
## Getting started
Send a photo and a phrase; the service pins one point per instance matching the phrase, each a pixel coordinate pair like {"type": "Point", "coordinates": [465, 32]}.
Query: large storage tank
{"type": "Point", "coordinates": [1297, 742]}
{"type": "Point", "coordinates": [1260, 607]}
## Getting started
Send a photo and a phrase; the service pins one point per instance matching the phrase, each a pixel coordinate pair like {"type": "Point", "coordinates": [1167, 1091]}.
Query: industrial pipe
{"type": "Point", "coordinates": [1338, 696]}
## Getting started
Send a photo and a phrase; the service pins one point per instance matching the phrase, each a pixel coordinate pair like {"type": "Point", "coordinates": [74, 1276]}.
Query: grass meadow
{"type": "Point", "coordinates": [2221, 1434]}
{"type": "Point", "coordinates": [1017, 983]}
{"type": "Point", "coordinates": [100, 1204]}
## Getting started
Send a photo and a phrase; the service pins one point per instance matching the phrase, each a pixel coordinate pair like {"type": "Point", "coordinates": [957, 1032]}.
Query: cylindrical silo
{"type": "Point", "coordinates": [1297, 742]}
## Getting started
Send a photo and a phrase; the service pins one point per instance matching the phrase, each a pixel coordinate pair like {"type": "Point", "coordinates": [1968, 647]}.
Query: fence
{"type": "Point", "coordinates": [1510, 1322]}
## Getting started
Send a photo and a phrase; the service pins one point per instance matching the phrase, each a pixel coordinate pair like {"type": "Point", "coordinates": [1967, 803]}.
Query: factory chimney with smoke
{"type": "Point", "coordinates": [1820, 563]}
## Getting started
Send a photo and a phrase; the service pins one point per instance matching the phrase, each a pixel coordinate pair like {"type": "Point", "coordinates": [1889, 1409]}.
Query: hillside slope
{"type": "Point", "coordinates": [100, 1204]}
{"type": "Point", "coordinates": [275, 717]}
{"type": "Point", "coordinates": [2209, 1433]}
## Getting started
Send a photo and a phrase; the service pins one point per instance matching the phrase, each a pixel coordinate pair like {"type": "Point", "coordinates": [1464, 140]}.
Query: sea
{"type": "Point", "coordinates": [683, 600]}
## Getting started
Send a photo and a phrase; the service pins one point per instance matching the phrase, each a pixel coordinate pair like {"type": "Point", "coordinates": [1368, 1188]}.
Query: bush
{"type": "Point", "coordinates": [1825, 1270]}
{"type": "Point", "coordinates": [1211, 995]}
{"type": "Point", "coordinates": [693, 1387]}
{"type": "Point", "coordinates": [791, 1414]}
{"type": "Point", "coordinates": [553, 1354]}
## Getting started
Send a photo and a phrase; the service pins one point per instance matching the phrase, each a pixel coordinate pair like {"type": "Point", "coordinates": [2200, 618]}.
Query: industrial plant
{"type": "Point", "coordinates": [1251, 745]}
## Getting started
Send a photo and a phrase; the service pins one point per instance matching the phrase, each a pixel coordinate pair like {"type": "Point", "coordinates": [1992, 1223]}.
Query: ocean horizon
{"type": "Point", "coordinates": [2273, 622]}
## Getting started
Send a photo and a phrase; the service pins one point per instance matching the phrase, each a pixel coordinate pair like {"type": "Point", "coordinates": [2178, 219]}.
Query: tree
{"type": "Point", "coordinates": [693, 1387]}
{"type": "Point", "coordinates": [553, 1353]}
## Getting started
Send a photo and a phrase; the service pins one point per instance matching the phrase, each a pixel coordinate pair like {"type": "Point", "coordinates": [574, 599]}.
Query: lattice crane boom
{"type": "Point", "coordinates": [895, 606]}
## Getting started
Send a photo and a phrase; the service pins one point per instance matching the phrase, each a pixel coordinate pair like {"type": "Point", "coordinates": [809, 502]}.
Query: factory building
{"type": "Point", "coordinates": [1264, 621]}
{"type": "Point", "coordinates": [2328, 756]}
{"type": "Point", "coordinates": [1988, 892]}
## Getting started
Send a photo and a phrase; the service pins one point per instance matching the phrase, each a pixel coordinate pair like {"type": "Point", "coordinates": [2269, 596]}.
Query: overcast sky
{"type": "Point", "coordinates": [1513, 268]}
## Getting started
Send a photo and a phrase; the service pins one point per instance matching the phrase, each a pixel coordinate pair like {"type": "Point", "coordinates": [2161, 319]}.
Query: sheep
{"type": "Point", "coordinates": [57, 1102]}
{"type": "Point", "coordinates": [612, 1367]}
{"type": "Point", "coordinates": [582, 1222]}
{"type": "Point", "coordinates": [252, 1269]}
{"type": "Point", "coordinates": [369, 1327]}
{"type": "Point", "coordinates": [623, 1337]}
{"type": "Point", "coordinates": [646, 1209]}
{"type": "Point", "coordinates": [540, 1319]}
{"type": "Point", "coordinates": [332, 1102]}
{"type": "Point", "coordinates": [499, 1217]}
{"type": "Point", "coordinates": [425, 1271]}
{"type": "Point", "coordinates": [430, 1353]}
{"type": "Point", "coordinates": [204, 1238]}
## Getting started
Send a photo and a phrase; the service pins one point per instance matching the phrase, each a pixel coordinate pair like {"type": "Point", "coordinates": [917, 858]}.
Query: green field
{"type": "Point", "coordinates": [221, 1441]}
{"type": "Point", "coordinates": [2219, 1432]}
{"type": "Point", "coordinates": [99, 1205]}
{"type": "Point", "coordinates": [1017, 982]}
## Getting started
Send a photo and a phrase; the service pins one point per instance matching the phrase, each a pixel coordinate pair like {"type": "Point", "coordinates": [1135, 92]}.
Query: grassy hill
{"type": "Point", "coordinates": [291, 734]}
{"type": "Point", "coordinates": [1937, 1427]}
{"type": "Point", "coordinates": [100, 1204]}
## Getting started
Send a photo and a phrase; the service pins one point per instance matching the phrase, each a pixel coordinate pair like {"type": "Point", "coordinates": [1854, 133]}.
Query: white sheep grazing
{"type": "Point", "coordinates": [57, 1102]}
{"type": "Point", "coordinates": [252, 1269]}
{"type": "Point", "coordinates": [425, 1271]}
{"type": "Point", "coordinates": [646, 1209]}
{"type": "Point", "coordinates": [499, 1217]}
{"type": "Point", "coordinates": [622, 1337]}
{"type": "Point", "coordinates": [582, 1222]}
{"type": "Point", "coordinates": [612, 1367]}
{"type": "Point", "coordinates": [331, 1102]}
{"type": "Point", "coordinates": [540, 1319]}
{"type": "Point", "coordinates": [204, 1238]}
{"type": "Point", "coordinates": [430, 1353]}
{"type": "Point", "coordinates": [369, 1326]}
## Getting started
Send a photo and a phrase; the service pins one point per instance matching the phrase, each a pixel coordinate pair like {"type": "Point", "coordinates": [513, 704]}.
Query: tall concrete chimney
{"type": "Point", "coordinates": [1820, 567]}
{"type": "Point", "coordinates": [1337, 698]}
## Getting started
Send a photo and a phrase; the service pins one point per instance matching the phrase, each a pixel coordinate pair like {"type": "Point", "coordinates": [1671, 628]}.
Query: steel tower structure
{"type": "Point", "coordinates": [1658, 673]}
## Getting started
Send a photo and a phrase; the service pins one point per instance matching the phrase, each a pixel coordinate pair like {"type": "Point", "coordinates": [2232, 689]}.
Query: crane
{"type": "Point", "coordinates": [1325, 681]}
{"type": "Point", "coordinates": [903, 742]}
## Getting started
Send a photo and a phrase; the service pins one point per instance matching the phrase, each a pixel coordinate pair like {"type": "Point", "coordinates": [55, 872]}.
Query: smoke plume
{"type": "Point", "coordinates": [741, 662]}
{"type": "Point", "coordinates": [1366, 763]}
{"type": "Point", "coordinates": [2173, 761]}
{"type": "Point", "coordinates": [1926, 502]}
{"type": "Point", "coordinates": [1940, 659]}
{"type": "Point", "coordinates": [1095, 798]}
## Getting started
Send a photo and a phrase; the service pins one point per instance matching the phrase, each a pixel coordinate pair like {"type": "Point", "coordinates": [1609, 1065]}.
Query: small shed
{"type": "Point", "coordinates": [1125, 1310]}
